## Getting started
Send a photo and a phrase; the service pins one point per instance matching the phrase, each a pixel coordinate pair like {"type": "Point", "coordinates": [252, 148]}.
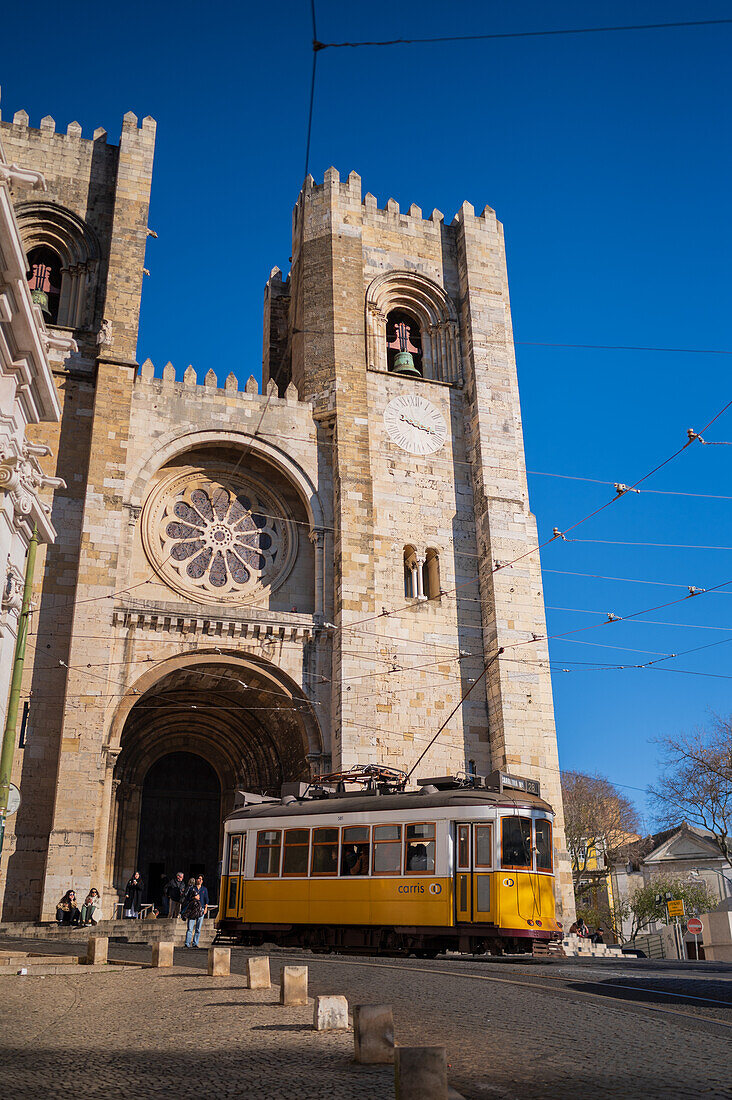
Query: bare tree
{"type": "Point", "coordinates": [696, 782]}
{"type": "Point", "coordinates": [597, 819]}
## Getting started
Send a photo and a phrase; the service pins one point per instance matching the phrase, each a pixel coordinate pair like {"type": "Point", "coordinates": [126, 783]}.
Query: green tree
{"type": "Point", "coordinates": [647, 910]}
{"type": "Point", "coordinates": [597, 912]}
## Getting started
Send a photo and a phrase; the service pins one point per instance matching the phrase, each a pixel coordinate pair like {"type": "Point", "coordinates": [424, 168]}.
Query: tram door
{"type": "Point", "coordinates": [473, 863]}
{"type": "Point", "coordinates": [235, 869]}
{"type": "Point", "coordinates": [463, 875]}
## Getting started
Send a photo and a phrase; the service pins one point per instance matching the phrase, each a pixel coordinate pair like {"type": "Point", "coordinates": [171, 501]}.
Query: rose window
{"type": "Point", "coordinates": [217, 537]}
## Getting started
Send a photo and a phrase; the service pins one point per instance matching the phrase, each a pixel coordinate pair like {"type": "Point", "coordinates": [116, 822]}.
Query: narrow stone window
{"type": "Point", "coordinates": [44, 281]}
{"type": "Point", "coordinates": [431, 570]}
{"type": "Point", "coordinates": [412, 574]}
{"type": "Point", "coordinates": [403, 344]}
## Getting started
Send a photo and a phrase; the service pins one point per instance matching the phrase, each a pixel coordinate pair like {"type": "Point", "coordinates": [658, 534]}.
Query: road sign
{"type": "Point", "coordinates": [675, 907]}
{"type": "Point", "coordinates": [694, 926]}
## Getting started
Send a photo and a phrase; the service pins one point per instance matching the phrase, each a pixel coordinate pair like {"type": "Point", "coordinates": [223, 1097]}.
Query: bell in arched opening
{"type": "Point", "coordinates": [44, 281]}
{"type": "Point", "coordinates": [403, 345]}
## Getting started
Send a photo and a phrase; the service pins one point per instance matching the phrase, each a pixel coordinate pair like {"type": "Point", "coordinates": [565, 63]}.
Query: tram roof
{"type": "Point", "coordinates": [360, 803]}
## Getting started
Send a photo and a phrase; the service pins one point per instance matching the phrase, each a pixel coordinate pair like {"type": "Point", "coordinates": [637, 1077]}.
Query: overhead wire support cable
{"type": "Point", "coordinates": [521, 34]}
{"type": "Point", "coordinates": [316, 47]}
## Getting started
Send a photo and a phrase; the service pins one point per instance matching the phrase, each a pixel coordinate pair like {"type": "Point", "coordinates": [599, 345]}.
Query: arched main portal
{"type": "Point", "coordinates": [197, 729]}
{"type": "Point", "coordinates": [180, 814]}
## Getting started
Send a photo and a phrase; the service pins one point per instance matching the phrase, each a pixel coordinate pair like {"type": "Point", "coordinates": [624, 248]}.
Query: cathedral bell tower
{"type": "Point", "coordinates": [398, 329]}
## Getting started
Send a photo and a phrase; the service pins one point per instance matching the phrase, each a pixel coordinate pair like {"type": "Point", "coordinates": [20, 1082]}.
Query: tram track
{"type": "Point", "coordinates": [564, 985]}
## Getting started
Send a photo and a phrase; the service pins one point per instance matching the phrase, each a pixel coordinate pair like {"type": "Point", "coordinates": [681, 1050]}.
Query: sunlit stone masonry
{"type": "Point", "coordinates": [249, 588]}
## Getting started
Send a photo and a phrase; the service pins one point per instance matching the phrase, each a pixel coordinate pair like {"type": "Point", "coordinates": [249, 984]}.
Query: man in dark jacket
{"type": "Point", "coordinates": [174, 893]}
{"type": "Point", "coordinates": [196, 911]}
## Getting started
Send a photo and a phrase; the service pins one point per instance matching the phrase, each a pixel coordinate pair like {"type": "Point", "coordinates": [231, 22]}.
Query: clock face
{"type": "Point", "coordinates": [415, 425]}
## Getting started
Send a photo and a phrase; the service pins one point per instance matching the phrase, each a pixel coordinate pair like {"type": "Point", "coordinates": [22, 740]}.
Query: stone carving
{"type": "Point", "coordinates": [22, 477]}
{"type": "Point", "coordinates": [215, 535]}
{"type": "Point", "coordinates": [12, 598]}
{"type": "Point", "coordinates": [104, 336]}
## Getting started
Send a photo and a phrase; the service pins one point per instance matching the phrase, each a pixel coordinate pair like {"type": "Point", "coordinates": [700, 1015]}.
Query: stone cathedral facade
{"type": "Point", "coordinates": [251, 587]}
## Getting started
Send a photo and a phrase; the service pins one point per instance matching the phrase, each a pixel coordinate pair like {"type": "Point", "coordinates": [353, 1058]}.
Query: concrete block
{"type": "Point", "coordinates": [330, 1014]}
{"type": "Point", "coordinates": [373, 1034]}
{"type": "Point", "coordinates": [294, 985]}
{"type": "Point", "coordinates": [219, 962]}
{"type": "Point", "coordinates": [258, 972]}
{"type": "Point", "coordinates": [96, 950]}
{"type": "Point", "coordinates": [162, 954]}
{"type": "Point", "coordinates": [420, 1073]}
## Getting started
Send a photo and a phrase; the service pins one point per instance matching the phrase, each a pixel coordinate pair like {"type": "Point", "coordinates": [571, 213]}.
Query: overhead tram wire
{"type": "Point", "coordinates": [443, 660]}
{"type": "Point", "coordinates": [552, 33]}
{"type": "Point", "coordinates": [558, 534]}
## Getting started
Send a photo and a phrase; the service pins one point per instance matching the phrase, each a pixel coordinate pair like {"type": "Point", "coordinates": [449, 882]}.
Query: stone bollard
{"type": "Point", "coordinates": [162, 954]}
{"type": "Point", "coordinates": [258, 972]}
{"type": "Point", "coordinates": [96, 950]}
{"type": "Point", "coordinates": [420, 1073]}
{"type": "Point", "coordinates": [294, 985]}
{"type": "Point", "coordinates": [330, 1014]}
{"type": "Point", "coordinates": [373, 1034]}
{"type": "Point", "coordinates": [219, 962]}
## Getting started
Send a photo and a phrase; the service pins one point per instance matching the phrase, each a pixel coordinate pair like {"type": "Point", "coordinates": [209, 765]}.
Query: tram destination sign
{"type": "Point", "coordinates": [506, 782]}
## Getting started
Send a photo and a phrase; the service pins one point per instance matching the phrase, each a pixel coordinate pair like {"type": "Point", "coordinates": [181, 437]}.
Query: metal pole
{"type": "Point", "coordinates": [11, 719]}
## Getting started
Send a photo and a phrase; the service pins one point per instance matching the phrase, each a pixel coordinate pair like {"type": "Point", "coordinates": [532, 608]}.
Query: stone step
{"type": "Point", "coordinates": [128, 931]}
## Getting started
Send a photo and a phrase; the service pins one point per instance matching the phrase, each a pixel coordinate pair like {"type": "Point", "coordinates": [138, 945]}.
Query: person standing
{"type": "Point", "coordinates": [174, 893]}
{"type": "Point", "coordinates": [196, 909]}
{"type": "Point", "coordinates": [133, 890]}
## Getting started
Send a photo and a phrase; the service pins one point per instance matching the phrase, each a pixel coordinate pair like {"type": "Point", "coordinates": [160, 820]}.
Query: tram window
{"type": "Point", "coordinates": [420, 849]}
{"type": "Point", "coordinates": [325, 852]}
{"type": "Point", "coordinates": [515, 842]}
{"type": "Point", "coordinates": [355, 850]}
{"type": "Point", "coordinates": [268, 853]}
{"type": "Point", "coordinates": [484, 845]}
{"type": "Point", "coordinates": [297, 846]}
{"type": "Point", "coordinates": [387, 850]}
{"type": "Point", "coordinates": [463, 846]}
{"type": "Point", "coordinates": [233, 887]}
{"type": "Point", "coordinates": [235, 853]}
{"type": "Point", "coordinates": [483, 896]}
{"type": "Point", "coordinates": [543, 845]}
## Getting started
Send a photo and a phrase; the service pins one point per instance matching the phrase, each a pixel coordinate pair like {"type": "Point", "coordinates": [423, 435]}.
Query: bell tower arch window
{"type": "Point", "coordinates": [64, 260]}
{"type": "Point", "coordinates": [403, 344]}
{"type": "Point", "coordinates": [400, 300]}
{"type": "Point", "coordinates": [44, 280]}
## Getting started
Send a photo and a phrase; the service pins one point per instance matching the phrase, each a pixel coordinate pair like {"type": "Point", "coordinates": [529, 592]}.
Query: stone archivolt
{"type": "Point", "coordinates": [218, 536]}
{"type": "Point", "coordinates": [430, 306]}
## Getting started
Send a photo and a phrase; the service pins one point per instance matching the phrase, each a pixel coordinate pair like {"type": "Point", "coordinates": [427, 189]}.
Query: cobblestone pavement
{"type": "Point", "coordinates": [171, 1032]}
{"type": "Point", "coordinates": [653, 1031]}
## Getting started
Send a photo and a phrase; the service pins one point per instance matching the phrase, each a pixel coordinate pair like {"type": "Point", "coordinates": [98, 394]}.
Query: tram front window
{"type": "Point", "coordinates": [543, 845]}
{"type": "Point", "coordinates": [356, 851]}
{"type": "Point", "coordinates": [516, 842]}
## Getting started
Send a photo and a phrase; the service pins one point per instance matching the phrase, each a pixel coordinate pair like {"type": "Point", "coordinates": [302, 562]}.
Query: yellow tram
{"type": "Point", "coordinates": [459, 865]}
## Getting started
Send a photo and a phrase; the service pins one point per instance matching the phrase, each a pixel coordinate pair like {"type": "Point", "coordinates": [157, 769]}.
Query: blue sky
{"type": "Point", "coordinates": [607, 157]}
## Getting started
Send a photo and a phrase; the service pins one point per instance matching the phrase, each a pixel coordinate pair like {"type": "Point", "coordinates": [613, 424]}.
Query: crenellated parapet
{"type": "Point", "coordinates": [347, 193]}
{"type": "Point", "coordinates": [73, 132]}
{"type": "Point", "coordinates": [183, 382]}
